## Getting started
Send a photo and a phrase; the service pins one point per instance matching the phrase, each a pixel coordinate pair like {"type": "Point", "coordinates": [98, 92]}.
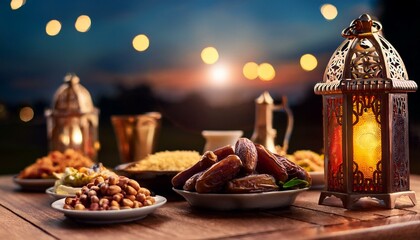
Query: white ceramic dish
{"type": "Point", "coordinates": [50, 191]}
{"type": "Point", "coordinates": [223, 201]}
{"type": "Point", "coordinates": [108, 216]}
{"type": "Point", "coordinates": [34, 184]}
{"type": "Point", "coordinates": [317, 179]}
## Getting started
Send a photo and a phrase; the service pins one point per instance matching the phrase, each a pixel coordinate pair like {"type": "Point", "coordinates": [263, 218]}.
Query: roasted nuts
{"type": "Point", "coordinates": [113, 193]}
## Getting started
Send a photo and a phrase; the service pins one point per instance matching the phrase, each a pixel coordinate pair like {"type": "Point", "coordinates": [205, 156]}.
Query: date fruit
{"type": "Point", "coordinates": [246, 151]}
{"type": "Point", "coordinates": [215, 178]}
{"type": "Point", "coordinates": [269, 164]}
{"type": "Point", "coordinates": [190, 183]}
{"type": "Point", "coordinates": [293, 170]}
{"type": "Point", "coordinates": [252, 184]}
{"type": "Point", "coordinates": [207, 160]}
{"type": "Point", "coordinates": [223, 152]}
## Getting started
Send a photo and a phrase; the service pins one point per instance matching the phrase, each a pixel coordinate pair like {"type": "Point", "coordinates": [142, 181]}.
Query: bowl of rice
{"type": "Point", "coordinates": [156, 171]}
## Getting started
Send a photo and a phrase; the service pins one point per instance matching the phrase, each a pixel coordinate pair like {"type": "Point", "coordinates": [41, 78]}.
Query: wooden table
{"type": "Point", "coordinates": [26, 215]}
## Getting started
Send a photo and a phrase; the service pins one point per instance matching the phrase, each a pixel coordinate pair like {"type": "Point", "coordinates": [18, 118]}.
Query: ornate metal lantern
{"type": "Point", "coordinates": [73, 120]}
{"type": "Point", "coordinates": [365, 114]}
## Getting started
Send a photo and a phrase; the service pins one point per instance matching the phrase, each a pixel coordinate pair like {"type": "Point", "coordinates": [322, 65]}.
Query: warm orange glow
{"type": "Point", "coordinates": [141, 42]}
{"type": "Point", "coordinates": [367, 143]}
{"type": "Point", "coordinates": [26, 114]}
{"type": "Point", "coordinates": [209, 55]}
{"type": "Point", "coordinates": [76, 136]}
{"type": "Point", "coordinates": [53, 27]}
{"type": "Point", "coordinates": [97, 145]}
{"type": "Point", "coordinates": [83, 23]}
{"type": "Point", "coordinates": [250, 70]}
{"type": "Point", "coordinates": [308, 62]}
{"type": "Point", "coordinates": [266, 72]}
{"type": "Point", "coordinates": [329, 11]}
{"type": "Point", "coordinates": [16, 4]}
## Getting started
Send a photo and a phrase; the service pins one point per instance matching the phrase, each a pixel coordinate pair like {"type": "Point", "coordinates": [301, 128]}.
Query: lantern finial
{"type": "Point", "coordinates": [362, 26]}
{"type": "Point", "coordinates": [71, 78]}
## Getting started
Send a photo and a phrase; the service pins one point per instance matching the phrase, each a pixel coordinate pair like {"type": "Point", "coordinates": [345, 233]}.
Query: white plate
{"type": "Point", "coordinates": [50, 191]}
{"type": "Point", "coordinates": [317, 179]}
{"type": "Point", "coordinates": [244, 201]}
{"type": "Point", "coordinates": [34, 184]}
{"type": "Point", "coordinates": [108, 216]}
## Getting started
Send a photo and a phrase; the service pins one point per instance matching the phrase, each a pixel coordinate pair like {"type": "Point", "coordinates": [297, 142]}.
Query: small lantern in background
{"type": "Point", "coordinates": [73, 120]}
{"type": "Point", "coordinates": [365, 117]}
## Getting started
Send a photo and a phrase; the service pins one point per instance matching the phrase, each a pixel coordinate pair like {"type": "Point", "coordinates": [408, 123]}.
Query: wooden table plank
{"type": "Point", "coordinates": [177, 220]}
{"type": "Point", "coordinates": [232, 223]}
{"type": "Point", "coordinates": [13, 227]}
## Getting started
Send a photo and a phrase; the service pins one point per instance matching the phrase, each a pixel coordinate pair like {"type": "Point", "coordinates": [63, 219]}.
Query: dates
{"type": "Point", "coordinates": [252, 184]}
{"type": "Point", "coordinates": [190, 183]}
{"type": "Point", "coordinates": [249, 168]}
{"type": "Point", "coordinates": [268, 163]}
{"type": "Point", "coordinates": [223, 152]}
{"type": "Point", "coordinates": [216, 177]}
{"type": "Point", "coordinates": [293, 170]}
{"type": "Point", "coordinates": [207, 160]}
{"type": "Point", "coordinates": [246, 151]}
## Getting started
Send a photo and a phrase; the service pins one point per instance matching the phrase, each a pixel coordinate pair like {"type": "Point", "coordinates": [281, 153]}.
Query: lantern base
{"type": "Point", "coordinates": [349, 200]}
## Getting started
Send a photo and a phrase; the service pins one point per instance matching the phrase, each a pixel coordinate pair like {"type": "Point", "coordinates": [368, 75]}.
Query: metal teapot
{"type": "Point", "coordinates": [264, 133]}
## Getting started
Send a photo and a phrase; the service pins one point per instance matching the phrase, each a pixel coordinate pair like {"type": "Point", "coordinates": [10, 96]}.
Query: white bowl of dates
{"type": "Point", "coordinates": [245, 177]}
{"type": "Point", "coordinates": [241, 201]}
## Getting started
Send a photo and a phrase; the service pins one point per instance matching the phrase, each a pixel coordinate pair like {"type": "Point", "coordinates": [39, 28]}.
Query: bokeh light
{"type": "Point", "coordinates": [266, 72]}
{"type": "Point", "coordinates": [53, 27]}
{"type": "Point", "coordinates": [250, 70]}
{"type": "Point", "coordinates": [308, 62]}
{"type": "Point", "coordinates": [16, 4]}
{"type": "Point", "coordinates": [83, 23]}
{"type": "Point", "coordinates": [329, 11]}
{"type": "Point", "coordinates": [219, 75]}
{"type": "Point", "coordinates": [141, 42]}
{"type": "Point", "coordinates": [209, 55]}
{"type": "Point", "coordinates": [26, 114]}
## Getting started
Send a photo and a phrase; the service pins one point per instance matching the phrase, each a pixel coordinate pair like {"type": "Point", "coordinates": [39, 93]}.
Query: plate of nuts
{"type": "Point", "coordinates": [111, 200]}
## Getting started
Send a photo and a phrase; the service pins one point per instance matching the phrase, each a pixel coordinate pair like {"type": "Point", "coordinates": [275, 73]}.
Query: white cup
{"type": "Point", "coordinates": [220, 138]}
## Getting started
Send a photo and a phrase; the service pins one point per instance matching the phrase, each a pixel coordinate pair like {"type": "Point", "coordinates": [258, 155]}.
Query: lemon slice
{"type": "Point", "coordinates": [66, 190]}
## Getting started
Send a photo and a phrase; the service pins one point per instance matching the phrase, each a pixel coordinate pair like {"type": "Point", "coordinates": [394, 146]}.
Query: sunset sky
{"type": "Point", "coordinates": [33, 64]}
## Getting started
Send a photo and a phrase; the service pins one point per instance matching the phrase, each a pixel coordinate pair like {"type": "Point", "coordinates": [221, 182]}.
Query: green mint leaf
{"type": "Point", "coordinates": [295, 182]}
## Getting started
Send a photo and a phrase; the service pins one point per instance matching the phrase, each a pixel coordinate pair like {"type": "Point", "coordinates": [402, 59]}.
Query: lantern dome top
{"type": "Point", "coordinates": [72, 98]}
{"type": "Point", "coordinates": [365, 61]}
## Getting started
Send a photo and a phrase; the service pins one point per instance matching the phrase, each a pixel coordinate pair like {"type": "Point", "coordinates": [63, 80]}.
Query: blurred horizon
{"type": "Point", "coordinates": [170, 75]}
{"type": "Point", "coordinates": [33, 64]}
